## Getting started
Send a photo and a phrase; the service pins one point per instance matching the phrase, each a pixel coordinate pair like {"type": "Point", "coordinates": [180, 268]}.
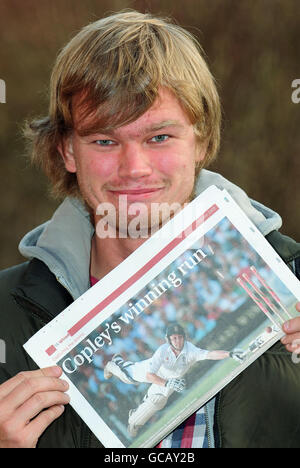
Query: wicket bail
{"type": "Point", "coordinates": [2, 92]}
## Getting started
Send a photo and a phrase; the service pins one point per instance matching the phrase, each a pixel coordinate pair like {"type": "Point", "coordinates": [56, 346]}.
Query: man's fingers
{"type": "Point", "coordinates": [292, 342]}
{"type": "Point", "coordinates": [41, 422]}
{"type": "Point", "coordinates": [53, 371]}
{"type": "Point", "coordinates": [8, 386]}
{"type": "Point", "coordinates": [291, 338]}
{"type": "Point", "coordinates": [23, 399]}
{"type": "Point", "coordinates": [31, 386]}
{"type": "Point", "coordinates": [19, 419]}
{"type": "Point", "coordinates": [292, 329]}
{"type": "Point", "coordinates": [292, 325]}
{"type": "Point", "coordinates": [294, 348]}
{"type": "Point", "coordinates": [31, 389]}
{"type": "Point", "coordinates": [28, 438]}
{"type": "Point", "coordinates": [39, 402]}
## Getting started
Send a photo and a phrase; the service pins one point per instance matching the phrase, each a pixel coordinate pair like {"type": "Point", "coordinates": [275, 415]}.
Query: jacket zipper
{"type": "Point", "coordinates": [207, 427]}
{"type": "Point", "coordinates": [217, 431]}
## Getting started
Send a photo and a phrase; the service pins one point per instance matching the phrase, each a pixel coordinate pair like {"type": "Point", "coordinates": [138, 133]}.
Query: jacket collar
{"type": "Point", "coordinates": [64, 245]}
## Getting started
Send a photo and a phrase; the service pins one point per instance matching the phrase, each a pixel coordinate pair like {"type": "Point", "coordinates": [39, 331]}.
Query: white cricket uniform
{"type": "Point", "coordinates": [166, 365]}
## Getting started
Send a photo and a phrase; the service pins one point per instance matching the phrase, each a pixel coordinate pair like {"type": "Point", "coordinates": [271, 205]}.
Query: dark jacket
{"type": "Point", "coordinates": [260, 408]}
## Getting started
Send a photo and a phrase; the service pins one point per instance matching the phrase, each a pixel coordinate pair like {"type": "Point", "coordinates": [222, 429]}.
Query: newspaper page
{"type": "Point", "coordinates": [207, 279]}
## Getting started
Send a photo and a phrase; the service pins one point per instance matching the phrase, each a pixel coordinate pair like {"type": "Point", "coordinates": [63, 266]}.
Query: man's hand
{"type": "Point", "coordinates": [178, 385]}
{"type": "Point", "coordinates": [292, 329]}
{"type": "Point", "coordinates": [22, 401]}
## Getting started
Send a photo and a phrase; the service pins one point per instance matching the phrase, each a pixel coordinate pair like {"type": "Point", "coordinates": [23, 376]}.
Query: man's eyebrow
{"type": "Point", "coordinates": [151, 128]}
{"type": "Point", "coordinates": [148, 129]}
{"type": "Point", "coordinates": [163, 124]}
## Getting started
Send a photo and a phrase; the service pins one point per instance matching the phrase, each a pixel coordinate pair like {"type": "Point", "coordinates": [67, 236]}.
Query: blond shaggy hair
{"type": "Point", "coordinates": [114, 68]}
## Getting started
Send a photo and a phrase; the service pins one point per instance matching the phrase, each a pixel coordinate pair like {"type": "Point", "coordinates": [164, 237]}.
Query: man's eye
{"type": "Point", "coordinates": [104, 142]}
{"type": "Point", "coordinates": [160, 138]}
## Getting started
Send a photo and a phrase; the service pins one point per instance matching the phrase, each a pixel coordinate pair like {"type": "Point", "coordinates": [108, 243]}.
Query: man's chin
{"type": "Point", "coordinates": [141, 221]}
{"type": "Point", "coordinates": [143, 226]}
{"type": "Point", "coordinates": [136, 229]}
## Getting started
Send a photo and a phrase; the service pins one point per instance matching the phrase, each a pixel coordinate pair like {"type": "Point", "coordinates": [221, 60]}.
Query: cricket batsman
{"type": "Point", "coordinates": [164, 370]}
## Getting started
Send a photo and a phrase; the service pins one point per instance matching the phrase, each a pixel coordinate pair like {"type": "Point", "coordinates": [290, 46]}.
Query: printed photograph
{"type": "Point", "coordinates": [180, 336]}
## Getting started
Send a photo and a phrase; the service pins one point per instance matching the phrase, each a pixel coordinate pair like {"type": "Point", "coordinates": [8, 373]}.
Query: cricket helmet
{"type": "Point", "coordinates": [174, 329]}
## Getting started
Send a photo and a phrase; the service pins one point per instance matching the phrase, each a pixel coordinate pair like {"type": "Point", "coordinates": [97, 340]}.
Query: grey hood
{"type": "Point", "coordinates": [64, 242]}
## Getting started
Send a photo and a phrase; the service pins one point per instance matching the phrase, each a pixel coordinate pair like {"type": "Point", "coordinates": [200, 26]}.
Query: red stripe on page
{"type": "Point", "coordinates": [88, 317]}
{"type": "Point", "coordinates": [51, 350]}
{"type": "Point", "coordinates": [188, 432]}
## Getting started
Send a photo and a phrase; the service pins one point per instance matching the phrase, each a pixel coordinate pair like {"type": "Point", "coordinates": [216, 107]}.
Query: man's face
{"type": "Point", "coordinates": [177, 342]}
{"type": "Point", "coordinates": [151, 160]}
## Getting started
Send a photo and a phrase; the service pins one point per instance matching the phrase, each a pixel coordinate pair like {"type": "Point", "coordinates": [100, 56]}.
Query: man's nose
{"type": "Point", "coordinates": [134, 163]}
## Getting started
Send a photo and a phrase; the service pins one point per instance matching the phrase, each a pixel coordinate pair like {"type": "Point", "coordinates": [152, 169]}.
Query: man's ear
{"type": "Point", "coordinates": [66, 151]}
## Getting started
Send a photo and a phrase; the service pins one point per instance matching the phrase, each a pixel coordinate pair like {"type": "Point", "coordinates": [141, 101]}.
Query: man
{"type": "Point", "coordinates": [133, 111]}
{"type": "Point", "coordinates": [164, 370]}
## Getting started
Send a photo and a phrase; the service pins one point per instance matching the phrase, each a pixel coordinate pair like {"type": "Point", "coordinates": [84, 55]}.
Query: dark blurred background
{"type": "Point", "coordinates": [253, 50]}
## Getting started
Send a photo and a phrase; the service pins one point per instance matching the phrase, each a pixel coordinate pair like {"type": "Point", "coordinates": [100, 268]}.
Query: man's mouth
{"type": "Point", "coordinates": [143, 192]}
